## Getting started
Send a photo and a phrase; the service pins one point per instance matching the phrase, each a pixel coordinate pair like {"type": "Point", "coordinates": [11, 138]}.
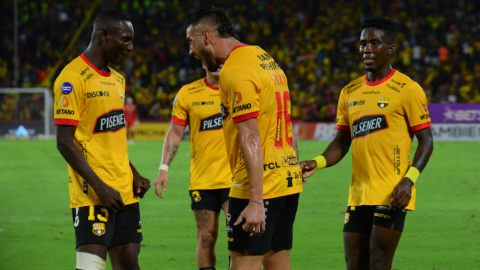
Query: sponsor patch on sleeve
{"type": "Point", "coordinates": [66, 88]}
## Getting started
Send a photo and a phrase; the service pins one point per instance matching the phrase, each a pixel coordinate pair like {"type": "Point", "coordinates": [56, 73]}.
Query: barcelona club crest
{"type": "Point", "coordinates": [99, 229]}
{"type": "Point", "coordinates": [347, 217]}
{"type": "Point", "coordinates": [122, 95]}
{"type": "Point", "coordinates": [238, 97]}
{"type": "Point", "coordinates": [383, 102]}
{"type": "Point", "coordinates": [196, 196]}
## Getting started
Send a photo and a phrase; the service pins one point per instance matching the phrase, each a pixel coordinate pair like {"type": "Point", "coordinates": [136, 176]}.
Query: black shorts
{"type": "Point", "coordinates": [95, 225]}
{"type": "Point", "coordinates": [209, 199]}
{"type": "Point", "coordinates": [279, 218]}
{"type": "Point", "coordinates": [360, 219]}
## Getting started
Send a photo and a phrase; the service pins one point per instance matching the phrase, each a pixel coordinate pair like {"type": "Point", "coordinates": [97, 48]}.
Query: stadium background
{"type": "Point", "coordinates": [316, 43]}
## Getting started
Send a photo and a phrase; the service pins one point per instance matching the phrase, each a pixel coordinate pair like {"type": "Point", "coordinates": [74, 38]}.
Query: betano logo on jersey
{"type": "Point", "coordinates": [212, 122]}
{"type": "Point", "coordinates": [383, 102]}
{"type": "Point", "coordinates": [368, 124]}
{"type": "Point", "coordinates": [99, 229]}
{"type": "Point", "coordinates": [65, 101]}
{"type": "Point", "coordinates": [111, 121]}
{"type": "Point", "coordinates": [238, 97]}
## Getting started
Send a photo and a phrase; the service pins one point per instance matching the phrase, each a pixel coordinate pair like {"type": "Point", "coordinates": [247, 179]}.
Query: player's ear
{"type": "Point", "coordinates": [103, 35]}
{"type": "Point", "coordinates": [206, 37]}
{"type": "Point", "coordinates": [391, 49]}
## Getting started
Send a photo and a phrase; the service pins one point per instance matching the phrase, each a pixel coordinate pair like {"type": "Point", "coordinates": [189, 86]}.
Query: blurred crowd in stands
{"type": "Point", "coordinates": [315, 42]}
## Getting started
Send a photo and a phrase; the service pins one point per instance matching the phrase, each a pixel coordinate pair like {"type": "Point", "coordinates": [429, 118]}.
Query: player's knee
{"type": "Point", "coordinates": [207, 239]}
{"type": "Point", "coordinates": [89, 261]}
{"type": "Point", "coordinates": [129, 261]}
{"type": "Point", "coordinates": [379, 254]}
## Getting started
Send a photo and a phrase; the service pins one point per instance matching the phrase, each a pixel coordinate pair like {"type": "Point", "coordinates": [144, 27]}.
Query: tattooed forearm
{"type": "Point", "coordinates": [171, 152]}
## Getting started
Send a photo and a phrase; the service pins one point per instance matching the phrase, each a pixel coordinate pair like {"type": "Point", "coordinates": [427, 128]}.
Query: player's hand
{"type": "Point", "coordinates": [162, 180]}
{"type": "Point", "coordinates": [110, 198]}
{"type": "Point", "coordinates": [309, 167]}
{"type": "Point", "coordinates": [402, 194]}
{"type": "Point", "coordinates": [254, 216]}
{"type": "Point", "coordinates": [140, 185]}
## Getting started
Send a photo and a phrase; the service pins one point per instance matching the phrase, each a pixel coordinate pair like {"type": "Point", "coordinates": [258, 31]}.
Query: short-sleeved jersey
{"type": "Point", "coordinates": [253, 85]}
{"type": "Point", "coordinates": [382, 118]}
{"type": "Point", "coordinates": [198, 105]}
{"type": "Point", "coordinates": [93, 101]}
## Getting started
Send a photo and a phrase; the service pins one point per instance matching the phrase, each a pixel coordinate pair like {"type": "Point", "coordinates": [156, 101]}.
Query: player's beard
{"type": "Point", "coordinates": [209, 60]}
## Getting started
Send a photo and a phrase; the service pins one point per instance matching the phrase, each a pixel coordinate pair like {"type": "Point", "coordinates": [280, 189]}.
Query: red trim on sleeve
{"type": "Point", "coordinates": [178, 121]}
{"type": "Point", "coordinates": [341, 127]}
{"type": "Point", "coordinates": [381, 81]}
{"type": "Point", "coordinates": [67, 122]}
{"type": "Point", "coordinates": [421, 126]}
{"type": "Point", "coordinates": [103, 73]}
{"type": "Point", "coordinates": [209, 85]}
{"type": "Point", "coordinates": [236, 47]}
{"type": "Point", "coordinates": [245, 117]}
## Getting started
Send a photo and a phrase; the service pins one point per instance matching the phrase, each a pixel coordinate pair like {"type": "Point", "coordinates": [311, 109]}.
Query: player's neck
{"type": "Point", "coordinates": [95, 57]}
{"type": "Point", "coordinates": [226, 47]}
{"type": "Point", "coordinates": [375, 76]}
{"type": "Point", "coordinates": [212, 80]}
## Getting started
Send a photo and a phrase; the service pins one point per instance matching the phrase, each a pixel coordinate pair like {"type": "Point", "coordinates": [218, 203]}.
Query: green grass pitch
{"type": "Point", "coordinates": [36, 229]}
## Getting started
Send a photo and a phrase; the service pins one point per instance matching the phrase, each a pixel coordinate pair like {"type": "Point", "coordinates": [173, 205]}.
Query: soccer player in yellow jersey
{"type": "Point", "coordinates": [103, 184]}
{"type": "Point", "coordinates": [379, 114]}
{"type": "Point", "coordinates": [198, 105]}
{"type": "Point", "coordinates": [259, 141]}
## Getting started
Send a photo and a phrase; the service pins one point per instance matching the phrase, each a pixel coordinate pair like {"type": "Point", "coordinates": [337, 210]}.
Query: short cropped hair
{"type": "Point", "coordinates": [217, 17]}
{"type": "Point", "coordinates": [388, 27]}
{"type": "Point", "coordinates": [109, 17]}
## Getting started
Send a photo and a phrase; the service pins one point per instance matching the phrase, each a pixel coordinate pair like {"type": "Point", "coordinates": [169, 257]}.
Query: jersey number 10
{"type": "Point", "coordinates": [282, 108]}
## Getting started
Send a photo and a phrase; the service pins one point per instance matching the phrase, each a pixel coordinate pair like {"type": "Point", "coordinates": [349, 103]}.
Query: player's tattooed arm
{"type": "Point", "coordinates": [172, 142]}
{"type": "Point", "coordinates": [170, 148]}
{"type": "Point", "coordinates": [171, 151]}
{"type": "Point", "coordinates": [109, 197]}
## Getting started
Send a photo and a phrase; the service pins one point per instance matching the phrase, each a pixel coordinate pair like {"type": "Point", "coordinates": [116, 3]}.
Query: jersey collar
{"type": "Point", "coordinates": [103, 73]}
{"type": "Point", "coordinates": [236, 47]}
{"type": "Point", "coordinates": [209, 85]}
{"type": "Point", "coordinates": [367, 82]}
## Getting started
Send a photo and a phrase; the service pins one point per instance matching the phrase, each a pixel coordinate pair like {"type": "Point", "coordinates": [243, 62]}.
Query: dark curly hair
{"type": "Point", "coordinates": [217, 17]}
{"type": "Point", "coordinates": [388, 27]}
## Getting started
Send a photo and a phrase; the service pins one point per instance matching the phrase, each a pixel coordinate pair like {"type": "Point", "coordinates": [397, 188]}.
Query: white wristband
{"type": "Point", "coordinates": [163, 167]}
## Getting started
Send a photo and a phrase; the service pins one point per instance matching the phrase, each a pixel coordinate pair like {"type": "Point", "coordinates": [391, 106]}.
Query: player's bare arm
{"type": "Point", "coordinates": [251, 147]}
{"type": "Point", "coordinates": [170, 148]}
{"type": "Point", "coordinates": [335, 152]}
{"type": "Point", "coordinates": [140, 184]}
{"type": "Point", "coordinates": [109, 197]}
{"type": "Point", "coordinates": [403, 191]}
